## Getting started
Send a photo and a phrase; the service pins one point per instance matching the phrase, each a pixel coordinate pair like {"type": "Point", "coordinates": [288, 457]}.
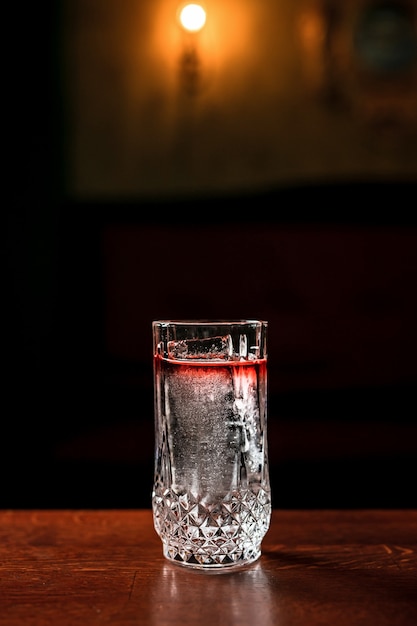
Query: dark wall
{"type": "Point", "coordinates": [332, 267]}
{"type": "Point", "coordinates": [85, 282]}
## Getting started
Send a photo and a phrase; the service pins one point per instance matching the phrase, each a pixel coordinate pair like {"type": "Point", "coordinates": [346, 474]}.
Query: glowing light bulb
{"type": "Point", "coordinates": [192, 17]}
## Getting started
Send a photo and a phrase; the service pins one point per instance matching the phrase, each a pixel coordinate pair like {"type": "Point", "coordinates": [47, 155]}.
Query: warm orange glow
{"type": "Point", "coordinates": [192, 17]}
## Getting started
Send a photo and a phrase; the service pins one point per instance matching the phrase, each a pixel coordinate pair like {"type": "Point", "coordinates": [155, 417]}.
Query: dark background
{"type": "Point", "coordinates": [332, 267]}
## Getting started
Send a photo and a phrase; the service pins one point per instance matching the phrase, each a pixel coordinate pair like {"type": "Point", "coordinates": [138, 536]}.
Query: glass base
{"type": "Point", "coordinates": [210, 562]}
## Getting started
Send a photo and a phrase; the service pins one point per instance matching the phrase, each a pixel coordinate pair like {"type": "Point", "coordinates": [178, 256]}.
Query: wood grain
{"type": "Point", "coordinates": [339, 568]}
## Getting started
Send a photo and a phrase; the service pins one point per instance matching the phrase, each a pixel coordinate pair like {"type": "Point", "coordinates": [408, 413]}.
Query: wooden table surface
{"type": "Point", "coordinates": [336, 568]}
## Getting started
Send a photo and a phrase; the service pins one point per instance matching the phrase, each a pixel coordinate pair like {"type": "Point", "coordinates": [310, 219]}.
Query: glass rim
{"type": "Point", "coordinates": [208, 322]}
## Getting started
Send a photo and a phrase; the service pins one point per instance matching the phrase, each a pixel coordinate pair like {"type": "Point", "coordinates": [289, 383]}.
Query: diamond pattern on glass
{"type": "Point", "coordinates": [225, 533]}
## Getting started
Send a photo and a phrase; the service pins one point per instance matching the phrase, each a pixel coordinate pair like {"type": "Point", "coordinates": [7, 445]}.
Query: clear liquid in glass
{"type": "Point", "coordinates": [211, 496]}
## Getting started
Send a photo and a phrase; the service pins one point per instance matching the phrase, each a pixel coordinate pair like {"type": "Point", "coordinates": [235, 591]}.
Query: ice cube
{"type": "Point", "coordinates": [211, 348]}
{"type": "Point", "coordinates": [243, 346]}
